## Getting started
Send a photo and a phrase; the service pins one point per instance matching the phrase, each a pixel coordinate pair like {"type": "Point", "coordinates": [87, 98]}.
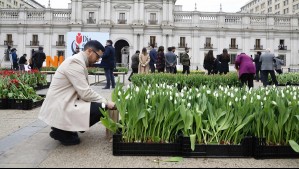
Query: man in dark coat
{"type": "Point", "coordinates": [153, 55]}
{"type": "Point", "coordinates": [108, 63]}
{"type": "Point", "coordinates": [258, 65]}
{"type": "Point", "coordinates": [223, 59]}
{"type": "Point", "coordinates": [38, 58]}
{"type": "Point", "coordinates": [135, 63]}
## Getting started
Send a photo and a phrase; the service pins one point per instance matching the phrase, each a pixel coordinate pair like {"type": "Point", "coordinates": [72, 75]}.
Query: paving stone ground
{"type": "Point", "coordinates": [25, 142]}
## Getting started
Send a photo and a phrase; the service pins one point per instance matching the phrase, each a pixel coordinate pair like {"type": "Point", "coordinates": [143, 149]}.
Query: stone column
{"type": "Point", "coordinates": [74, 11]}
{"type": "Point", "coordinates": [108, 10]}
{"type": "Point", "coordinates": [141, 12]}
{"type": "Point", "coordinates": [135, 42]}
{"type": "Point", "coordinates": [136, 13]}
{"type": "Point", "coordinates": [164, 42]}
{"type": "Point", "coordinates": [170, 11]}
{"type": "Point", "coordinates": [102, 10]}
{"type": "Point", "coordinates": [79, 11]}
{"type": "Point", "coordinates": [164, 10]}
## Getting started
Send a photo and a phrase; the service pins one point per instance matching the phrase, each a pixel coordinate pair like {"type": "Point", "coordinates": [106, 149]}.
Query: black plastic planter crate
{"type": "Point", "coordinates": [24, 104]}
{"type": "Point", "coordinates": [263, 151]}
{"type": "Point", "coordinates": [144, 149]}
{"type": "Point", "coordinates": [218, 151]}
{"type": "Point", "coordinates": [4, 104]}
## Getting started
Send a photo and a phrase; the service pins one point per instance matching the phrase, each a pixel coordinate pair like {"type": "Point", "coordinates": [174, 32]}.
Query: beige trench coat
{"type": "Point", "coordinates": [143, 60]}
{"type": "Point", "coordinates": [67, 104]}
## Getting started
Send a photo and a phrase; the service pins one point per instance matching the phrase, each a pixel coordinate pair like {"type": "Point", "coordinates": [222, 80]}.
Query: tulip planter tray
{"type": "Point", "coordinates": [245, 149]}
{"type": "Point", "coordinates": [121, 148]}
{"type": "Point", "coordinates": [40, 87]}
{"type": "Point", "coordinates": [4, 104]}
{"type": "Point", "coordinates": [24, 104]}
{"type": "Point", "coordinates": [263, 151]}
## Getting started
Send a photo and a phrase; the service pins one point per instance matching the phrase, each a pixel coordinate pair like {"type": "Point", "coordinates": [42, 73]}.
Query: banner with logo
{"type": "Point", "coordinates": [79, 39]}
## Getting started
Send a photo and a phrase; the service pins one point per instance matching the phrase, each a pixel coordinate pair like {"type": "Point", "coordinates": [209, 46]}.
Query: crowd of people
{"type": "Point", "coordinates": [21, 63]}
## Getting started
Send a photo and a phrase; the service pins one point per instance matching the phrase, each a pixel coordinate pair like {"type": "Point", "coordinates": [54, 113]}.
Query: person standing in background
{"type": "Point", "coordinates": [144, 60]}
{"type": "Point", "coordinates": [277, 65]}
{"type": "Point", "coordinates": [246, 68]}
{"type": "Point", "coordinates": [161, 60]}
{"type": "Point", "coordinates": [224, 59]}
{"type": "Point", "coordinates": [175, 68]}
{"type": "Point", "coordinates": [170, 61]}
{"type": "Point", "coordinates": [258, 65]}
{"type": "Point", "coordinates": [153, 56]}
{"type": "Point", "coordinates": [267, 60]}
{"type": "Point", "coordinates": [186, 61]}
{"type": "Point", "coordinates": [14, 57]}
{"type": "Point", "coordinates": [134, 64]}
{"type": "Point", "coordinates": [38, 58]}
{"type": "Point", "coordinates": [22, 62]}
{"type": "Point", "coordinates": [108, 62]}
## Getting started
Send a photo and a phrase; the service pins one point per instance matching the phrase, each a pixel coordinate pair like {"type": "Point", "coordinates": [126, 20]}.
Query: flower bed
{"type": "Point", "coordinates": [195, 80]}
{"type": "Point", "coordinates": [222, 116]}
{"type": "Point", "coordinates": [15, 90]}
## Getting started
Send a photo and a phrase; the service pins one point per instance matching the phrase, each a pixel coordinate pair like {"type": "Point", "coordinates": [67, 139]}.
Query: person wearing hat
{"type": "Point", "coordinates": [14, 57]}
{"type": "Point", "coordinates": [71, 105]}
{"type": "Point", "coordinates": [185, 60]}
{"type": "Point", "coordinates": [38, 58]}
{"type": "Point", "coordinates": [22, 62]}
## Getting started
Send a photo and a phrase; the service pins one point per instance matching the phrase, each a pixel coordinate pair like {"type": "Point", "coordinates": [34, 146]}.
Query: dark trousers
{"type": "Point", "coordinates": [175, 70]}
{"type": "Point", "coordinates": [247, 78]}
{"type": "Point", "coordinates": [134, 70]}
{"type": "Point", "coordinates": [186, 69]}
{"type": "Point", "coordinates": [109, 77]}
{"type": "Point", "coordinates": [170, 69]}
{"type": "Point", "coordinates": [258, 74]}
{"type": "Point", "coordinates": [279, 71]}
{"type": "Point", "coordinates": [15, 66]}
{"type": "Point", "coordinates": [265, 74]}
{"type": "Point", "coordinates": [95, 113]}
{"type": "Point", "coordinates": [153, 68]}
{"type": "Point", "coordinates": [161, 70]}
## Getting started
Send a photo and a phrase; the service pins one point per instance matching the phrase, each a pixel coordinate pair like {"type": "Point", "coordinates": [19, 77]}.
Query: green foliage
{"type": "Point", "coordinates": [196, 80]}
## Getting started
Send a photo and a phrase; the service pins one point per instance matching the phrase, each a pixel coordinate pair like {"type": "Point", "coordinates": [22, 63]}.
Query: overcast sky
{"type": "Point", "coordinates": [188, 5]}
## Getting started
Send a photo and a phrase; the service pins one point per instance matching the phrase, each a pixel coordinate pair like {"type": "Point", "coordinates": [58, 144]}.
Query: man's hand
{"type": "Point", "coordinates": [111, 105]}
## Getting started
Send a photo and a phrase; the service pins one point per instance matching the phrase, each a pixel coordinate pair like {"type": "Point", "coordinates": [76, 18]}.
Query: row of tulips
{"type": "Point", "coordinates": [17, 85]}
{"type": "Point", "coordinates": [91, 70]}
{"type": "Point", "coordinates": [157, 113]}
{"type": "Point", "coordinates": [288, 78]}
{"type": "Point", "coordinates": [193, 80]}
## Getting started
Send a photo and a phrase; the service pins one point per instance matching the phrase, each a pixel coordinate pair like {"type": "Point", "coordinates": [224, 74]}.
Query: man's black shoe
{"type": "Point", "coordinates": [106, 88]}
{"type": "Point", "coordinates": [65, 138]}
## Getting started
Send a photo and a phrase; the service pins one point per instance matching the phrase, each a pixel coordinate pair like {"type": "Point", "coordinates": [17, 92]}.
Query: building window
{"type": "Point", "coordinates": [208, 44]}
{"type": "Point", "coordinates": [233, 44]}
{"type": "Point", "coordinates": [258, 45]}
{"type": "Point", "coordinates": [153, 41]}
{"type": "Point", "coordinates": [60, 41]}
{"type": "Point", "coordinates": [60, 53]}
{"type": "Point", "coordinates": [153, 19]}
{"type": "Point", "coordinates": [233, 58]}
{"type": "Point", "coordinates": [8, 41]}
{"type": "Point", "coordinates": [281, 45]}
{"type": "Point", "coordinates": [182, 43]}
{"type": "Point", "coordinates": [34, 41]}
{"type": "Point", "coordinates": [91, 19]}
{"type": "Point", "coordinates": [122, 18]}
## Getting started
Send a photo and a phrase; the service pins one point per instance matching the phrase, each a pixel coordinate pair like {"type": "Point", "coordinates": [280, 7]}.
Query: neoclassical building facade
{"type": "Point", "coordinates": [135, 24]}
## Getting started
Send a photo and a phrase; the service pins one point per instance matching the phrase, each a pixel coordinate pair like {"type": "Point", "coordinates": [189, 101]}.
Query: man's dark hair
{"type": "Point", "coordinates": [110, 41]}
{"type": "Point", "coordinates": [153, 45]}
{"type": "Point", "coordinates": [170, 49]}
{"type": "Point", "coordinates": [137, 51]}
{"type": "Point", "coordinates": [173, 47]}
{"type": "Point", "coordinates": [259, 53]}
{"type": "Point", "coordinates": [95, 45]}
{"type": "Point", "coordinates": [40, 48]}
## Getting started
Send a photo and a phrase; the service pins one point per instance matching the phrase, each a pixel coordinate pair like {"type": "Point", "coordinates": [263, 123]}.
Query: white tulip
{"type": "Point", "coordinates": [208, 91]}
{"type": "Point", "coordinates": [189, 104]}
{"type": "Point", "coordinates": [175, 102]}
{"type": "Point", "coordinates": [137, 89]}
{"type": "Point", "coordinates": [244, 97]}
{"type": "Point", "coordinates": [119, 93]}
{"type": "Point", "coordinates": [127, 97]}
{"type": "Point", "coordinates": [274, 103]}
{"type": "Point", "coordinates": [230, 103]}
{"type": "Point", "coordinates": [258, 97]}
{"type": "Point", "coordinates": [171, 98]}
{"type": "Point", "coordinates": [103, 105]}
{"type": "Point", "coordinates": [236, 99]}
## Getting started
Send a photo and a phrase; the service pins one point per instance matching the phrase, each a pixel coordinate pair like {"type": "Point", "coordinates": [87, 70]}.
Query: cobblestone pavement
{"type": "Point", "coordinates": [25, 142]}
